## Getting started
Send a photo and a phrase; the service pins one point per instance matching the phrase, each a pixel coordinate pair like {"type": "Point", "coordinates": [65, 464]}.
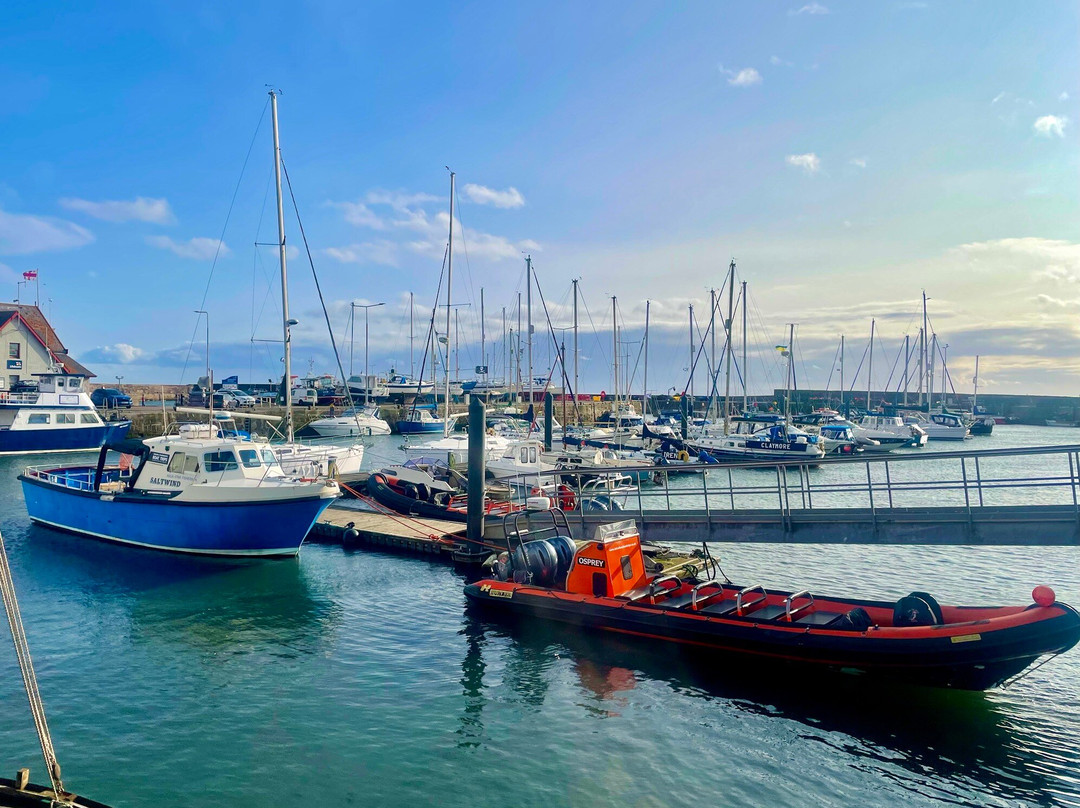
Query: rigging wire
{"type": "Point", "coordinates": [221, 239]}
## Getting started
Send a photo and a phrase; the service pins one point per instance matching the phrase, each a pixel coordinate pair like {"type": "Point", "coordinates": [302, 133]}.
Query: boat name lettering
{"type": "Point", "coordinates": [591, 562]}
{"type": "Point", "coordinates": [163, 481]}
{"type": "Point", "coordinates": [773, 445]}
{"type": "Point", "coordinates": [159, 457]}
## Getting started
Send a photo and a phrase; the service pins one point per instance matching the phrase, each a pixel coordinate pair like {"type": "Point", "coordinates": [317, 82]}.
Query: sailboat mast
{"type": "Point", "coordinates": [842, 388]}
{"type": "Point", "coordinates": [505, 358]}
{"type": "Point", "coordinates": [923, 367]}
{"type": "Point", "coordinates": [712, 351]}
{"type": "Point", "coordinates": [870, 369]}
{"type": "Point", "coordinates": [457, 344]}
{"type": "Point", "coordinates": [975, 397]}
{"type": "Point", "coordinates": [615, 353]}
{"type": "Point", "coordinates": [745, 364]}
{"type": "Point", "coordinates": [645, 382]}
{"type": "Point", "coordinates": [412, 363]}
{"type": "Point", "coordinates": [517, 347]}
{"type": "Point", "coordinates": [790, 367]}
{"type": "Point", "coordinates": [727, 343]}
{"type": "Point", "coordinates": [483, 337]}
{"type": "Point", "coordinates": [528, 316]}
{"type": "Point", "coordinates": [285, 322]}
{"type": "Point", "coordinates": [576, 391]}
{"type": "Point", "coordinates": [930, 373]}
{"type": "Point", "coordinates": [690, 367]}
{"type": "Point", "coordinates": [449, 277]}
{"type": "Point", "coordinates": [907, 362]}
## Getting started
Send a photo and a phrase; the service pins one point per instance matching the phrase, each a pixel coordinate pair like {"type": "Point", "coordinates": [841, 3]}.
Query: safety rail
{"type": "Point", "coordinates": [968, 479]}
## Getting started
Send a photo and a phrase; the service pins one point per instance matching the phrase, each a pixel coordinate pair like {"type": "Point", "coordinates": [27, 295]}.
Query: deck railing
{"type": "Point", "coordinates": [967, 478]}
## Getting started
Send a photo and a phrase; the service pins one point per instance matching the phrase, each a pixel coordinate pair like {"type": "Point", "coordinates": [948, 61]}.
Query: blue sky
{"type": "Point", "coordinates": [847, 155]}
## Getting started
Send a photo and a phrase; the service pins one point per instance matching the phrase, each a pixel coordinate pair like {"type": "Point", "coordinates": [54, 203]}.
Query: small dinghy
{"type": "Point", "coordinates": [605, 585]}
{"type": "Point", "coordinates": [413, 492]}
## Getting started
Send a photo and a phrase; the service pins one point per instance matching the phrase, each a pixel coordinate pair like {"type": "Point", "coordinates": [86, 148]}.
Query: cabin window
{"type": "Point", "coordinates": [627, 568]}
{"type": "Point", "coordinates": [89, 418]}
{"type": "Point", "coordinates": [524, 454]}
{"type": "Point", "coordinates": [219, 461]}
{"type": "Point", "coordinates": [38, 418]}
{"type": "Point", "coordinates": [268, 457]}
{"type": "Point", "coordinates": [532, 454]}
{"type": "Point", "coordinates": [176, 463]}
{"type": "Point", "coordinates": [250, 458]}
{"type": "Point", "coordinates": [14, 349]}
{"type": "Point", "coordinates": [65, 418]}
{"type": "Point", "coordinates": [191, 465]}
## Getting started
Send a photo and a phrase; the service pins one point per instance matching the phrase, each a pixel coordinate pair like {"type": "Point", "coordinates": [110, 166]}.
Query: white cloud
{"type": "Point", "coordinates": [482, 195]}
{"type": "Point", "coordinates": [399, 200]}
{"type": "Point", "coordinates": [1064, 96]}
{"type": "Point", "coordinates": [810, 163]}
{"type": "Point", "coordinates": [810, 8]}
{"type": "Point", "coordinates": [1050, 302]}
{"type": "Point", "coordinates": [747, 77]}
{"type": "Point", "coordinates": [140, 209]}
{"type": "Point", "coordinates": [361, 215]}
{"type": "Point", "coordinates": [119, 354]}
{"type": "Point", "coordinates": [1050, 125]}
{"type": "Point", "coordinates": [858, 161]}
{"type": "Point", "coordinates": [384, 253]}
{"type": "Point", "coordinates": [202, 249]}
{"type": "Point", "coordinates": [776, 61]}
{"type": "Point", "coordinates": [22, 234]}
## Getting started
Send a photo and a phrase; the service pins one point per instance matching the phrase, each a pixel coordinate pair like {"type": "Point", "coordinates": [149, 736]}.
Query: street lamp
{"type": "Point", "coordinates": [365, 307]}
{"type": "Point", "coordinates": [118, 379]}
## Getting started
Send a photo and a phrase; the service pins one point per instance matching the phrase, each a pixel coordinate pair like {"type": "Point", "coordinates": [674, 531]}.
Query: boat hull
{"type": "Point", "coordinates": [419, 427]}
{"type": "Point", "coordinates": [69, 439]}
{"type": "Point", "coordinates": [265, 528]}
{"type": "Point", "coordinates": [968, 656]}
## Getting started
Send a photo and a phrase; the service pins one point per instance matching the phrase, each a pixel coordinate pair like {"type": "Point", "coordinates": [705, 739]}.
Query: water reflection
{"type": "Point", "coordinates": [213, 605]}
{"type": "Point", "coordinates": [934, 742]}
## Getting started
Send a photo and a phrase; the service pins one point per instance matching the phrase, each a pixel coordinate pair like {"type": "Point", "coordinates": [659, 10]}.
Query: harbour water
{"type": "Point", "coordinates": [359, 678]}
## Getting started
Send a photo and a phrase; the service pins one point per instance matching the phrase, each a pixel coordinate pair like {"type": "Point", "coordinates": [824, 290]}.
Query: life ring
{"type": "Point", "coordinates": [683, 455]}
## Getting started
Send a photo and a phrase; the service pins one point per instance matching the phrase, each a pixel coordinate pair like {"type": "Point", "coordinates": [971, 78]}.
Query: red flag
{"type": "Point", "coordinates": [30, 275]}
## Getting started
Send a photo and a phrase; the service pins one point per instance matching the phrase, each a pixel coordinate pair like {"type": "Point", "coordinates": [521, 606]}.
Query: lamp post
{"type": "Point", "coordinates": [118, 380]}
{"type": "Point", "coordinates": [365, 307]}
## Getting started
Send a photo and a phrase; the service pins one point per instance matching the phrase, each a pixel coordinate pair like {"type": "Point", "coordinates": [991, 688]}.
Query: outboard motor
{"type": "Point", "coordinates": [535, 562]}
{"type": "Point", "coordinates": [917, 609]}
{"type": "Point", "coordinates": [564, 547]}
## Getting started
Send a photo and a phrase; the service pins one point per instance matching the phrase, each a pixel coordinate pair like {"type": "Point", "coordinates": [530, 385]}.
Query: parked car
{"type": "Point", "coordinates": [110, 397]}
{"type": "Point", "coordinates": [241, 398]}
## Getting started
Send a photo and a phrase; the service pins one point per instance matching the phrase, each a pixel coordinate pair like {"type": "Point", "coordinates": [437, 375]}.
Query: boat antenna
{"type": "Point", "coordinates": [26, 667]}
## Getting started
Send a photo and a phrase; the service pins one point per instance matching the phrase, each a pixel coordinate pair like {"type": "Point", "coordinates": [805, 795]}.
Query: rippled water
{"type": "Point", "coordinates": [360, 678]}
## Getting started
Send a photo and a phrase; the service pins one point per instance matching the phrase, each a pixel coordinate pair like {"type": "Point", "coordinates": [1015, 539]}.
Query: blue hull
{"type": "Point", "coordinates": [419, 427]}
{"type": "Point", "coordinates": [263, 529]}
{"type": "Point", "coordinates": [69, 439]}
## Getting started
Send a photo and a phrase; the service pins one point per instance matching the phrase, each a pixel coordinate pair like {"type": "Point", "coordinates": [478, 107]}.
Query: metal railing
{"type": "Point", "coordinates": [969, 479]}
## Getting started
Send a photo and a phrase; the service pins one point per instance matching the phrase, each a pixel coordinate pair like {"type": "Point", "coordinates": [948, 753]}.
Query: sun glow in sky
{"type": "Point", "coordinates": [847, 155]}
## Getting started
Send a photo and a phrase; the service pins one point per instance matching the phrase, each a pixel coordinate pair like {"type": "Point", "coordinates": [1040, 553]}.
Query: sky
{"type": "Point", "coordinates": [847, 156]}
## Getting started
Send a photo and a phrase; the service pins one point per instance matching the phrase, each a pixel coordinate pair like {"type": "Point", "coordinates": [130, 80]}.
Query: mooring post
{"type": "Point", "coordinates": [547, 421]}
{"type": "Point", "coordinates": [474, 525]}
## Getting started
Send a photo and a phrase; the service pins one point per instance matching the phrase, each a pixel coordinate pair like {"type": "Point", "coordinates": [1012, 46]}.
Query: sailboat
{"type": "Point", "coordinates": [303, 459]}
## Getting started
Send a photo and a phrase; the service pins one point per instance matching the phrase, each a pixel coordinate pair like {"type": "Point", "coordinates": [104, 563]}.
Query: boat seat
{"type": "Point", "coordinates": [679, 602]}
{"type": "Point", "coordinates": [819, 619]}
{"type": "Point", "coordinates": [768, 613]}
{"type": "Point", "coordinates": [724, 608]}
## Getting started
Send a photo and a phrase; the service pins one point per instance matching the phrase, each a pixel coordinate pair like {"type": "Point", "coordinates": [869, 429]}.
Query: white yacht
{"type": "Point", "coordinates": [945, 426]}
{"type": "Point", "coordinates": [353, 422]}
{"type": "Point", "coordinates": [766, 437]}
{"type": "Point", "coordinates": [890, 431]}
{"type": "Point", "coordinates": [525, 458]}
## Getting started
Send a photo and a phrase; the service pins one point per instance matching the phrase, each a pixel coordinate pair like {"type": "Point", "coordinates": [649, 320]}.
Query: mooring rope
{"type": "Point", "coordinates": [26, 666]}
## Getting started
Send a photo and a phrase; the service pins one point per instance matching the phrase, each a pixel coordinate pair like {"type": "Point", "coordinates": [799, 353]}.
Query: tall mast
{"type": "Point", "coordinates": [712, 351]}
{"type": "Point", "coordinates": [645, 382]}
{"type": "Point", "coordinates": [449, 277]}
{"type": "Point", "coordinates": [576, 391]}
{"type": "Point", "coordinates": [907, 361]}
{"type": "Point", "coordinates": [690, 367]}
{"type": "Point", "coordinates": [505, 358]}
{"type": "Point", "coordinates": [930, 373]}
{"type": "Point", "coordinates": [745, 364]}
{"type": "Point", "coordinates": [615, 352]}
{"type": "Point", "coordinates": [975, 398]}
{"type": "Point", "coordinates": [842, 388]}
{"type": "Point", "coordinates": [457, 344]}
{"type": "Point", "coordinates": [483, 337]}
{"type": "Point", "coordinates": [528, 306]}
{"type": "Point", "coordinates": [790, 367]}
{"type": "Point", "coordinates": [923, 367]}
{"type": "Point", "coordinates": [517, 348]}
{"type": "Point", "coordinates": [412, 364]}
{"type": "Point", "coordinates": [727, 343]}
{"type": "Point", "coordinates": [285, 322]}
{"type": "Point", "coordinates": [870, 368]}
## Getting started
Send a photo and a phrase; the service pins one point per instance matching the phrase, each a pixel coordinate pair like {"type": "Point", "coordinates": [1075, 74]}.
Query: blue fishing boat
{"type": "Point", "coordinates": [420, 422]}
{"type": "Point", "coordinates": [213, 496]}
{"type": "Point", "coordinates": [58, 417]}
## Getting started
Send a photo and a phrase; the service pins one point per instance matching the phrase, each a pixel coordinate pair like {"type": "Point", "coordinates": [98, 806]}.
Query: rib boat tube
{"type": "Point", "coordinates": [422, 499]}
{"type": "Point", "coordinates": [603, 585]}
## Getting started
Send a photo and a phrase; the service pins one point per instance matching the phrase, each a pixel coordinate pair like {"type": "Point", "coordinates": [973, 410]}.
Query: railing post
{"type": "Point", "coordinates": [963, 475]}
{"type": "Point", "coordinates": [1072, 482]}
{"type": "Point", "coordinates": [731, 489]}
{"type": "Point", "coordinates": [809, 496]}
{"type": "Point", "coordinates": [978, 481]}
{"type": "Point", "coordinates": [888, 484]}
{"type": "Point", "coordinates": [705, 491]}
{"type": "Point", "coordinates": [870, 491]}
